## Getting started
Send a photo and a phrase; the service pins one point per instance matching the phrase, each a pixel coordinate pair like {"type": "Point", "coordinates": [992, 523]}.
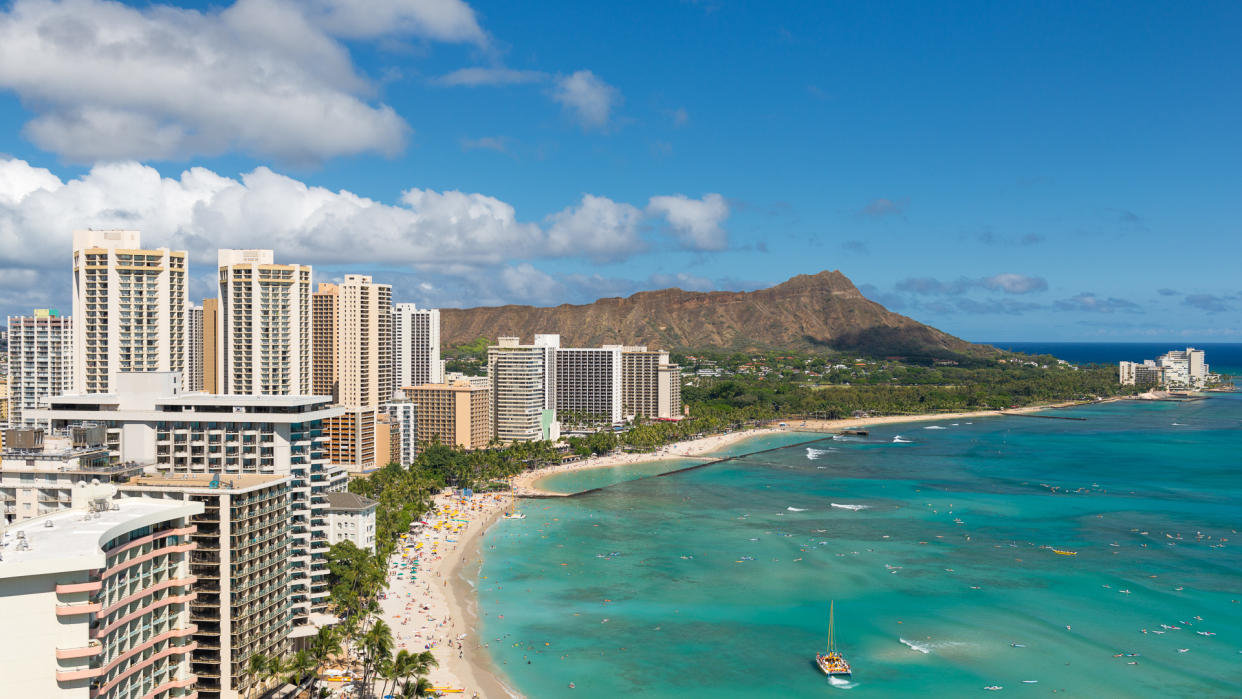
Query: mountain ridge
{"type": "Point", "coordinates": [823, 311]}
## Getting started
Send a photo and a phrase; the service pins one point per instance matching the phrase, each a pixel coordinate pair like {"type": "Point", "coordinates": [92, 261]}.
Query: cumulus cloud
{"type": "Point", "coordinates": [695, 222]}
{"type": "Point", "coordinates": [106, 81]}
{"type": "Point", "coordinates": [453, 235]}
{"type": "Point", "coordinates": [477, 77]}
{"type": "Point", "coordinates": [878, 208]}
{"type": "Point", "coordinates": [1207, 302]}
{"type": "Point", "coordinates": [441, 20]}
{"type": "Point", "coordinates": [587, 98]}
{"type": "Point", "coordinates": [1091, 303]}
{"type": "Point", "coordinates": [597, 227]}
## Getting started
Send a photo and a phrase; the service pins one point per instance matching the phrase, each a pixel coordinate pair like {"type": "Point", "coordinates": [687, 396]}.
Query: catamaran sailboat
{"type": "Point", "coordinates": [832, 663]}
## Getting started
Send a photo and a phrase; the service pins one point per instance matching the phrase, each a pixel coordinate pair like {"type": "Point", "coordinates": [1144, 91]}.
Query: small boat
{"type": "Point", "coordinates": [994, 688]}
{"type": "Point", "coordinates": [832, 663]}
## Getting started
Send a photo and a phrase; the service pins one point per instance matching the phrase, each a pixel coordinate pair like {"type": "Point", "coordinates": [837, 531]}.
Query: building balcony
{"type": "Point", "coordinates": [79, 608]}
{"type": "Point", "coordinates": [92, 649]}
{"type": "Point", "coordinates": [71, 588]}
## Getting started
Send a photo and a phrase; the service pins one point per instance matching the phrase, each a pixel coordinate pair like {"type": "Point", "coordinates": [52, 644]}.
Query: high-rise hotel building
{"type": "Point", "coordinates": [415, 346]}
{"type": "Point", "coordinates": [40, 361]}
{"type": "Point", "coordinates": [263, 327]}
{"type": "Point", "coordinates": [194, 348]}
{"type": "Point", "coordinates": [588, 383]}
{"type": "Point", "coordinates": [353, 327]}
{"type": "Point", "coordinates": [523, 383]}
{"type": "Point", "coordinates": [650, 384]}
{"type": "Point", "coordinates": [129, 307]}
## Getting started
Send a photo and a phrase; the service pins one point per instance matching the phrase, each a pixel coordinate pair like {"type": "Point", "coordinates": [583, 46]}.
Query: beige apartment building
{"type": "Point", "coordinates": [263, 328]}
{"type": "Point", "coordinates": [241, 574]}
{"type": "Point", "coordinates": [588, 383]}
{"type": "Point", "coordinates": [353, 345]}
{"type": "Point", "coordinates": [324, 305]}
{"type": "Point", "coordinates": [40, 361]}
{"type": "Point", "coordinates": [211, 316]}
{"type": "Point", "coordinates": [129, 305]}
{"type": "Point", "coordinates": [650, 385]}
{"type": "Point", "coordinates": [456, 414]}
{"type": "Point", "coordinates": [194, 348]}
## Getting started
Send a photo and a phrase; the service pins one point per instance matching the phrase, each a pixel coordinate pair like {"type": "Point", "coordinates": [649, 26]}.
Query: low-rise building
{"type": "Point", "coordinates": [456, 414]}
{"type": "Point", "coordinates": [96, 600]}
{"type": "Point", "coordinates": [38, 470]}
{"type": "Point", "coordinates": [351, 517]}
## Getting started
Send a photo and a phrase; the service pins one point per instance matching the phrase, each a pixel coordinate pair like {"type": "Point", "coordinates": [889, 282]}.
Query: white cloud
{"type": "Point", "coordinates": [1015, 283]}
{"type": "Point", "coordinates": [106, 81]}
{"type": "Point", "coordinates": [598, 227]}
{"type": "Point", "coordinates": [441, 20]}
{"type": "Point", "coordinates": [589, 99]}
{"type": "Point", "coordinates": [475, 77]}
{"type": "Point", "coordinates": [526, 284]}
{"type": "Point", "coordinates": [680, 117]}
{"type": "Point", "coordinates": [695, 222]}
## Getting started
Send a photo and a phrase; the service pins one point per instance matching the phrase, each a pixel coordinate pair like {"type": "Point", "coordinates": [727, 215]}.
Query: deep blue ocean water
{"type": "Point", "coordinates": [1221, 356]}
{"type": "Point", "coordinates": [936, 547]}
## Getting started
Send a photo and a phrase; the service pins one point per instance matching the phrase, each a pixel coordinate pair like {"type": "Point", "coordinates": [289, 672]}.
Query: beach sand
{"type": "Point", "coordinates": [439, 609]}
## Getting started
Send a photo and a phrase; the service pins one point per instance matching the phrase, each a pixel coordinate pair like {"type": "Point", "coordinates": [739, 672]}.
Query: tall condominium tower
{"type": "Point", "coordinates": [523, 383]}
{"type": "Point", "coordinates": [353, 321]}
{"type": "Point", "coordinates": [263, 328]}
{"type": "Point", "coordinates": [211, 316]}
{"type": "Point", "coordinates": [130, 308]}
{"type": "Point", "coordinates": [650, 385]}
{"type": "Point", "coordinates": [416, 346]}
{"type": "Point", "coordinates": [588, 383]}
{"type": "Point", "coordinates": [324, 304]}
{"type": "Point", "coordinates": [194, 348]}
{"type": "Point", "coordinates": [40, 361]}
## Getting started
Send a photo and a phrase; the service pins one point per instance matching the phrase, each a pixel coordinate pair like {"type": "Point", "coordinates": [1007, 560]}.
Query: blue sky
{"type": "Point", "coordinates": [1013, 172]}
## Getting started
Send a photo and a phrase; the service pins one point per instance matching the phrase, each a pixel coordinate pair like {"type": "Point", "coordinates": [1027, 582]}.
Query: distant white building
{"type": "Point", "coordinates": [351, 517]}
{"type": "Point", "coordinates": [404, 414]}
{"type": "Point", "coordinates": [1177, 369]}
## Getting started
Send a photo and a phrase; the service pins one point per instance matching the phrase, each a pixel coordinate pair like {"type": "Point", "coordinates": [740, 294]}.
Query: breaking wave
{"type": "Point", "coordinates": [850, 507]}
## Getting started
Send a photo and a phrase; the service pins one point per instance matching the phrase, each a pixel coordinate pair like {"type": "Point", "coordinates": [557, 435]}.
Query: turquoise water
{"type": "Point", "coordinates": [578, 481]}
{"type": "Point", "coordinates": [602, 581]}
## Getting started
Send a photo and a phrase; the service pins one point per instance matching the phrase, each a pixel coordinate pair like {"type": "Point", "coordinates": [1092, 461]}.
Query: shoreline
{"type": "Point", "coordinates": [438, 610]}
{"type": "Point", "coordinates": [455, 600]}
{"type": "Point", "coordinates": [526, 483]}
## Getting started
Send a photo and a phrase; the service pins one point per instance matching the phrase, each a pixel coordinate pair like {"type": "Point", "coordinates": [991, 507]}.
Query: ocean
{"type": "Point", "coordinates": [1222, 357]}
{"type": "Point", "coordinates": [934, 540]}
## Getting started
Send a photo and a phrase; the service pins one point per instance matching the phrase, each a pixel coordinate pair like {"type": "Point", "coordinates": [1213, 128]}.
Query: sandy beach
{"type": "Point", "coordinates": [435, 607]}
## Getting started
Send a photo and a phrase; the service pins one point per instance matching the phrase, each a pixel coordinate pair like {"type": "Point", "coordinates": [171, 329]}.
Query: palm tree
{"type": "Point", "coordinates": [325, 645]}
{"type": "Point", "coordinates": [377, 645]}
{"type": "Point", "coordinates": [298, 667]}
{"type": "Point", "coordinates": [423, 662]}
{"type": "Point", "coordinates": [255, 669]}
{"type": "Point", "coordinates": [417, 687]}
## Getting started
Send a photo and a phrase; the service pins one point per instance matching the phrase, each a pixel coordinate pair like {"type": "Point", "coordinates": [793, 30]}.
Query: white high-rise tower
{"type": "Point", "coordinates": [263, 328]}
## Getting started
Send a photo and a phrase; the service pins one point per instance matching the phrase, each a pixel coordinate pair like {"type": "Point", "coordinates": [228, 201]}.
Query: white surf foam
{"type": "Point", "coordinates": [850, 507]}
{"type": "Point", "coordinates": [813, 454]}
{"type": "Point", "coordinates": [796, 509]}
{"type": "Point", "coordinates": [934, 427]}
{"type": "Point", "coordinates": [916, 646]}
{"type": "Point", "coordinates": [841, 683]}
{"type": "Point", "coordinates": [898, 440]}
